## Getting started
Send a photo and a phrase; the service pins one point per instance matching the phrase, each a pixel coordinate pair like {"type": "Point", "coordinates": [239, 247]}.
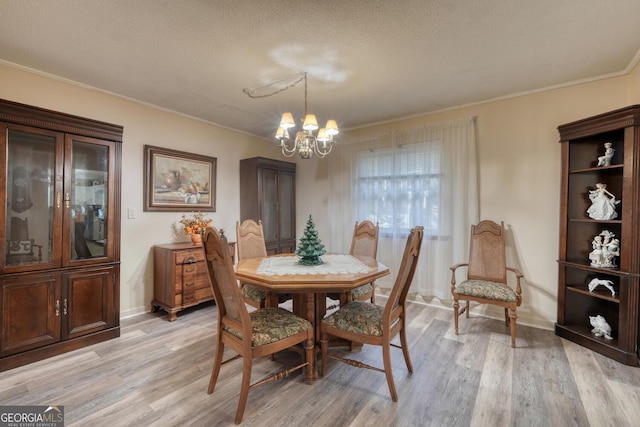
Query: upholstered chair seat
{"type": "Point", "coordinates": [358, 317]}
{"type": "Point", "coordinates": [271, 325]}
{"type": "Point", "coordinates": [255, 294]}
{"type": "Point", "coordinates": [364, 291]}
{"type": "Point", "coordinates": [486, 289]}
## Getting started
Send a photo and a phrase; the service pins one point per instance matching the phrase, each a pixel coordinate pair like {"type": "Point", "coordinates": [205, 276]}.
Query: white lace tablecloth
{"type": "Point", "coordinates": [333, 264]}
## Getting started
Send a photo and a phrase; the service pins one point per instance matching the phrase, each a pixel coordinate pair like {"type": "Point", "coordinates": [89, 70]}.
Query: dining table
{"type": "Point", "coordinates": [338, 273]}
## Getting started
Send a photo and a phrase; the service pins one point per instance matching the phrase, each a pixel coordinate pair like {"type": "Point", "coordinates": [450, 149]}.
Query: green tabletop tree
{"type": "Point", "coordinates": [310, 247]}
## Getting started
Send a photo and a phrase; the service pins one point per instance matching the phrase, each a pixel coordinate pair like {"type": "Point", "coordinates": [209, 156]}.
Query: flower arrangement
{"type": "Point", "coordinates": [195, 224]}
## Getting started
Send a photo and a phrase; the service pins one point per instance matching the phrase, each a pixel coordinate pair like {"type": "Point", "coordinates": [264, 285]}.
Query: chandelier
{"type": "Point", "coordinates": [305, 142]}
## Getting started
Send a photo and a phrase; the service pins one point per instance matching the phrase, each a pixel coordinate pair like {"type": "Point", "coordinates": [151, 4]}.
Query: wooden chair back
{"type": "Point", "coordinates": [487, 253]}
{"type": "Point", "coordinates": [250, 239]}
{"type": "Point", "coordinates": [398, 296]}
{"type": "Point", "coordinates": [231, 309]}
{"type": "Point", "coordinates": [365, 239]}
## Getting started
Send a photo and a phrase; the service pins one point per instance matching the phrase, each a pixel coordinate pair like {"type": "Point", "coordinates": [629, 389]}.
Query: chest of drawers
{"type": "Point", "coordinates": [180, 277]}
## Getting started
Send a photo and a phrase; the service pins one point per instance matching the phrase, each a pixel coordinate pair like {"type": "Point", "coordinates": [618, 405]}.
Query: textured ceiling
{"type": "Point", "coordinates": [368, 61]}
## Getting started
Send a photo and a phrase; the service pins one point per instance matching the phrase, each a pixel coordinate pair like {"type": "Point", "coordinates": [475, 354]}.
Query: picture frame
{"type": "Point", "coordinates": [177, 181]}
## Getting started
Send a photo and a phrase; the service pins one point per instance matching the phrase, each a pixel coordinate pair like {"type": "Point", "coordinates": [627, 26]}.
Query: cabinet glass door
{"type": "Point", "coordinates": [88, 193]}
{"type": "Point", "coordinates": [31, 197]}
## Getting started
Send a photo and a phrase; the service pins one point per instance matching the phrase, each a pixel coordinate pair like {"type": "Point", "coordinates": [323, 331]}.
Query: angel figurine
{"type": "Point", "coordinates": [603, 203]}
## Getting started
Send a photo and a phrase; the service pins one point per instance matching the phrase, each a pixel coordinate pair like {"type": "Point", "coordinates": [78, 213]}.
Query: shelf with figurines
{"type": "Point", "coordinates": [593, 244]}
{"type": "Point", "coordinates": [579, 310]}
{"type": "Point", "coordinates": [590, 154]}
{"type": "Point", "coordinates": [597, 168]}
{"type": "Point", "coordinates": [595, 197]}
{"type": "Point", "coordinates": [597, 285]}
{"type": "Point", "coordinates": [599, 293]}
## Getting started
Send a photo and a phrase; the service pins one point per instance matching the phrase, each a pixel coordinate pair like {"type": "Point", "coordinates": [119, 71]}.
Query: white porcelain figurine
{"type": "Point", "coordinates": [594, 283]}
{"type": "Point", "coordinates": [608, 154]}
{"type": "Point", "coordinates": [605, 249]}
{"type": "Point", "coordinates": [602, 206]}
{"type": "Point", "coordinates": [600, 327]}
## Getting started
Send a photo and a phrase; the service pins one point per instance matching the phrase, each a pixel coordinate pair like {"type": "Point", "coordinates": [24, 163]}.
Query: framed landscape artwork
{"type": "Point", "coordinates": [176, 181]}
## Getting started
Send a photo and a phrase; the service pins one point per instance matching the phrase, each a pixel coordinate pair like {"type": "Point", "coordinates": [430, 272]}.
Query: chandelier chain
{"type": "Point", "coordinates": [259, 92]}
{"type": "Point", "coordinates": [305, 94]}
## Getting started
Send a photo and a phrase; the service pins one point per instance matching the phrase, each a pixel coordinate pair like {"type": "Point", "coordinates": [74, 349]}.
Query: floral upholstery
{"type": "Point", "coordinates": [271, 325]}
{"type": "Point", "coordinates": [253, 293]}
{"type": "Point", "coordinates": [358, 317]}
{"type": "Point", "coordinates": [361, 290]}
{"type": "Point", "coordinates": [486, 289]}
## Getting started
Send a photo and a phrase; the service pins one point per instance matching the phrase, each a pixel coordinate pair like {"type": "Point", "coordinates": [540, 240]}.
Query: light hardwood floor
{"type": "Point", "coordinates": [157, 372]}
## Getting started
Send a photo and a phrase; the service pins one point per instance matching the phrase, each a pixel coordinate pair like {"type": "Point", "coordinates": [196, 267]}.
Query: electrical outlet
{"type": "Point", "coordinates": [131, 213]}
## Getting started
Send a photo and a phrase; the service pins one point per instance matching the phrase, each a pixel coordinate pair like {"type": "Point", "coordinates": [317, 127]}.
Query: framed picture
{"type": "Point", "coordinates": [176, 181]}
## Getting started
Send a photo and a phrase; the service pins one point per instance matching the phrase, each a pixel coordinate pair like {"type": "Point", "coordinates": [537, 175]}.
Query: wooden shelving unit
{"type": "Point", "coordinates": [582, 142]}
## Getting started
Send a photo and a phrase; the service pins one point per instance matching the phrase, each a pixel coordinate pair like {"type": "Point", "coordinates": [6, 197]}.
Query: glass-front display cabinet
{"type": "Point", "coordinates": [57, 190]}
{"type": "Point", "coordinates": [60, 243]}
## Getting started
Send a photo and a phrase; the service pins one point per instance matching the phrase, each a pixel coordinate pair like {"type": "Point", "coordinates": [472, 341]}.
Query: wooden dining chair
{"type": "Point", "coordinates": [367, 323]}
{"type": "Point", "coordinates": [260, 333]}
{"type": "Point", "coordinates": [486, 281]}
{"type": "Point", "coordinates": [251, 244]}
{"type": "Point", "coordinates": [363, 243]}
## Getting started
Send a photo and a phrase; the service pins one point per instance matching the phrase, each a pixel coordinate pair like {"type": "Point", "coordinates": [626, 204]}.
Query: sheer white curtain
{"type": "Point", "coordinates": [425, 176]}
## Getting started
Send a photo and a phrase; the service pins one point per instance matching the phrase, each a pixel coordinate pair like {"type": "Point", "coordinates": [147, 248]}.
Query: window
{"type": "Point", "coordinates": [406, 177]}
{"type": "Point", "coordinates": [400, 186]}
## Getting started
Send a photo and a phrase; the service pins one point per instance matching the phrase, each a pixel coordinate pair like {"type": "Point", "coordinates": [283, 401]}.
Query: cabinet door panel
{"type": "Point", "coordinates": [89, 215]}
{"type": "Point", "coordinates": [31, 211]}
{"type": "Point", "coordinates": [268, 199]}
{"type": "Point", "coordinates": [286, 205]}
{"type": "Point", "coordinates": [88, 301]}
{"type": "Point", "coordinates": [31, 313]}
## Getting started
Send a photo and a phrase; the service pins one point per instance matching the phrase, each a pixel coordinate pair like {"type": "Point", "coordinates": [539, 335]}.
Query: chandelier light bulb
{"type": "Point", "coordinates": [331, 128]}
{"type": "Point", "coordinates": [286, 121]}
{"type": "Point", "coordinates": [310, 122]}
{"type": "Point", "coordinates": [322, 136]}
{"type": "Point", "coordinates": [282, 133]}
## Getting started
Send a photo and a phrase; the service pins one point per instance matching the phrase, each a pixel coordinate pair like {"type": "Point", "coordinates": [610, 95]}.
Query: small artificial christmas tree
{"type": "Point", "coordinates": [310, 247]}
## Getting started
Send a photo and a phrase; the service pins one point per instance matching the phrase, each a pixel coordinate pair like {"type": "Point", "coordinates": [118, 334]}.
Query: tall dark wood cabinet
{"type": "Point", "coordinates": [59, 233]}
{"type": "Point", "coordinates": [582, 257]}
{"type": "Point", "coordinates": [268, 193]}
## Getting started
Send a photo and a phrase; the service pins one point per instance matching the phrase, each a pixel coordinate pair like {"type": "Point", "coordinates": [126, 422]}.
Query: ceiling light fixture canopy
{"type": "Point", "coordinates": [305, 142]}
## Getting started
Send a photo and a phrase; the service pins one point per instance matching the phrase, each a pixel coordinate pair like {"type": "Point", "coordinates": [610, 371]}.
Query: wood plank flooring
{"type": "Point", "coordinates": [157, 372]}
